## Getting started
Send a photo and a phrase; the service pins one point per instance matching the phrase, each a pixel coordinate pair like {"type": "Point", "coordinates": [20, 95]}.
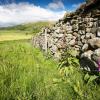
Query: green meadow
{"type": "Point", "coordinates": [27, 74]}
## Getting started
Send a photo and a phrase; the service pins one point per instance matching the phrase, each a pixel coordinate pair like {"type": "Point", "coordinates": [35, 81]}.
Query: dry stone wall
{"type": "Point", "coordinates": [79, 30]}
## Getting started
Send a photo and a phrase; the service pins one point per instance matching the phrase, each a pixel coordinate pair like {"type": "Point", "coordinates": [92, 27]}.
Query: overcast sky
{"type": "Point", "coordinates": [13, 12]}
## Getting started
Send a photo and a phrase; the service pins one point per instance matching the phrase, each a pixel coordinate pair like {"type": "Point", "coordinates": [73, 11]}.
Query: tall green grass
{"type": "Point", "coordinates": [25, 74]}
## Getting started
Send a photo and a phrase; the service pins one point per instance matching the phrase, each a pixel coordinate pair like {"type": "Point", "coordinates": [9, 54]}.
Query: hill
{"type": "Point", "coordinates": [29, 28]}
{"type": "Point", "coordinates": [24, 31]}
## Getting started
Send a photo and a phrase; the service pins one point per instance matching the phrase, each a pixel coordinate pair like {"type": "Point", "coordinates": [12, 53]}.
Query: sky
{"type": "Point", "coordinates": [14, 12]}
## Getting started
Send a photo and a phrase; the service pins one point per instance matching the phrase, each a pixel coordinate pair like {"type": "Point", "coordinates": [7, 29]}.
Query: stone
{"type": "Point", "coordinates": [94, 43]}
{"type": "Point", "coordinates": [88, 30]}
{"type": "Point", "coordinates": [95, 24]}
{"type": "Point", "coordinates": [55, 40]}
{"type": "Point", "coordinates": [54, 48]}
{"type": "Point", "coordinates": [98, 23]}
{"type": "Point", "coordinates": [87, 54]}
{"type": "Point", "coordinates": [48, 30]}
{"type": "Point", "coordinates": [69, 36]}
{"type": "Point", "coordinates": [75, 26]}
{"type": "Point", "coordinates": [80, 43]}
{"type": "Point", "coordinates": [93, 30]}
{"type": "Point", "coordinates": [98, 32]}
{"type": "Point", "coordinates": [68, 28]}
{"type": "Point", "coordinates": [74, 38]}
{"type": "Point", "coordinates": [81, 32]}
{"type": "Point", "coordinates": [90, 24]}
{"type": "Point", "coordinates": [68, 24]}
{"type": "Point", "coordinates": [77, 46]}
{"type": "Point", "coordinates": [60, 35]}
{"type": "Point", "coordinates": [88, 35]}
{"type": "Point", "coordinates": [58, 30]}
{"type": "Point", "coordinates": [75, 34]}
{"type": "Point", "coordinates": [82, 37]}
{"type": "Point", "coordinates": [85, 47]}
{"type": "Point", "coordinates": [64, 27]}
{"type": "Point", "coordinates": [57, 55]}
{"type": "Point", "coordinates": [73, 21]}
{"type": "Point", "coordinates": [84, 41]}
{"type": "Point", "coordinates": [60, 45]}
{"type": "Point", "coordinates": [95, 19]}
{"type": "Point", "coordinates": [94, 57]}
{"type": "Point", "coordinates": [97, 52]}
{"type": "Point", "coordinates": [92, 36]}
{"type": "Point", "coordinates": [55, 35]}
{"type": "Point", "coordinates": [79, 19]}
{"type": "Point", "coordinates": [91, 19]}
{"type": "Point", "coordinates": [69, 32]}
{"type": "Point", "coordinates": [82, 27]}
{"type": "Point", "coordinates": [72, 42]}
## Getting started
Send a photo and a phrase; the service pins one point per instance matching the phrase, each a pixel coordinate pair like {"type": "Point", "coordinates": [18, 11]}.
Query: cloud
{"type": "Point", "coordinates": [75, 6]}
{"type": "Point", "coordinates": [14, 14]}
{"type": "Point", "coordinates": [56, 4]}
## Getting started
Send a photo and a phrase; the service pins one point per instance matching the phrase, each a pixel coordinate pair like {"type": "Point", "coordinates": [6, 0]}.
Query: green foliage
{"type": "Point", "coordinates": [68, 59]}
{"type": "Point", "coordinates": [25, 74]}
{"type": "Point", "coordinates": [82, 86]}
{"type": "Point", "coordinates": [89, 78]}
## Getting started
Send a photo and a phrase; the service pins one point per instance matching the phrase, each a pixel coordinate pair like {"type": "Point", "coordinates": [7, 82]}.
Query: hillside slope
{"type": "Point", "coordinates": [29, 28]}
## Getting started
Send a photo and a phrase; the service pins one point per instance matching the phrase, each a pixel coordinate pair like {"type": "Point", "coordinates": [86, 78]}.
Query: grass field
{"type": "Point", "coordinates": [20, 32]}
{"type": "Point", "coordinates": [14, 37]}
{"type": "Point", "coordinates": [26, 74]}
{"type": "Point", "coordinates": [8, 35]}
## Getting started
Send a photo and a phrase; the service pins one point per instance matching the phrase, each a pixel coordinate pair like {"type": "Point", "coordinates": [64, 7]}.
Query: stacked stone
{"type": "Point", "coordinates": [79, 32]}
